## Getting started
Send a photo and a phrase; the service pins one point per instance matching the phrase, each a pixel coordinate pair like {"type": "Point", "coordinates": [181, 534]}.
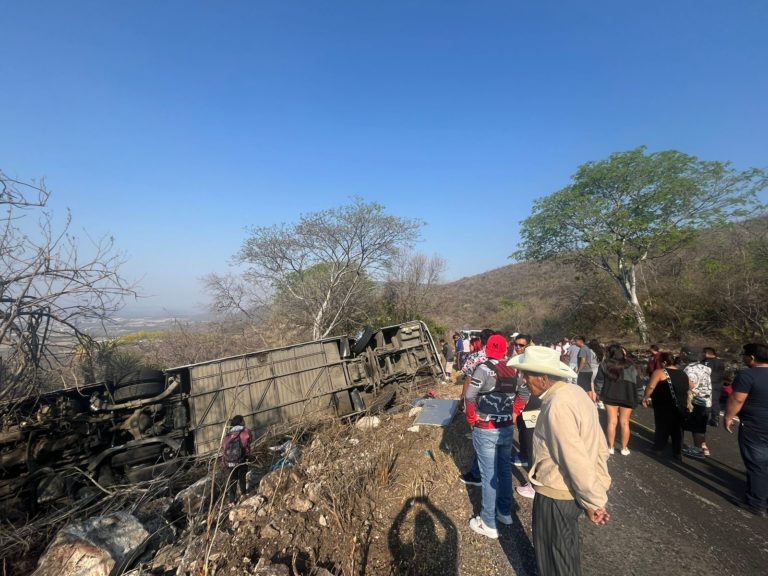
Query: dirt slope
{"type": "Point", "coordinates": [377, 502]}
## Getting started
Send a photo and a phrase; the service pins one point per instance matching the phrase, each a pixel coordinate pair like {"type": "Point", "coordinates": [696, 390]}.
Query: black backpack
{"type": "Point", "coordinates": [233, 450]}
{"type": "Point", "coordinates": [506, 377]}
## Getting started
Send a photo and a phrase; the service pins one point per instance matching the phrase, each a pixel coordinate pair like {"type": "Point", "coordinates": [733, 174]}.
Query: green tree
{"type": "Point", "coordinates": [312, 285]}
{"type": "Point", "coordinates": [511, 315]}
{"type": "Point", "coordinates": [634, 207]}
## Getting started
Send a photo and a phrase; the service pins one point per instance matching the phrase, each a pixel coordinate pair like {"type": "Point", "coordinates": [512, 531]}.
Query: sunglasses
{"type": "Point", "coordinates": [520, 345]}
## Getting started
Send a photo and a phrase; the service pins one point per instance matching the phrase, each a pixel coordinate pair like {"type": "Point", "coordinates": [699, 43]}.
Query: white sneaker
{"type": "Point", "coordinates": [526, 491]}
{"type": "Point", "coordinates": [479, 526]}
{"type": "Point", "coordinates": [504, 518]}
{"type": "Point", "coordinates": [625, 451]}
{"type": "Point", "coordinates": [610, 451]}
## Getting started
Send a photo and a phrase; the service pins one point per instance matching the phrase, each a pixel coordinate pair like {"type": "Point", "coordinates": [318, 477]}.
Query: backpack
{"type": "Point", "coordinates": [506, 377]}
{"type": "Point", "coordinates": [233, 450]}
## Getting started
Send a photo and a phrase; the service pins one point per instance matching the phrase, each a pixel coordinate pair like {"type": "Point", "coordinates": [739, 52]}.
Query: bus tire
{"type": "Point", "coordinates": [139, 390]}
{"type": "Point", "coordinates": [138, 454]}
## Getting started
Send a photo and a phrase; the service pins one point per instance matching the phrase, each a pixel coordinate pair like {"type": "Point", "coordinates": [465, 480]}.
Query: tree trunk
{"type": "Point", "coordinates": [642, 327]}
{"type": "Point", "coordinates": [628, 283]}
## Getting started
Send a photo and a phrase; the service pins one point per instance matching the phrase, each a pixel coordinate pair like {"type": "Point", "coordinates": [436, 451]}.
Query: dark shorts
{"type": "Point", "coordinates": [584, 380]}
{"type": "Point", "coordinates": [697, 420]}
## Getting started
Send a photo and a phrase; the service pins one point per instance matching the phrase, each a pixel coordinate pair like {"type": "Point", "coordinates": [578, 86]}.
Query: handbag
{"type": "Point", "coordinates": [686, 410]}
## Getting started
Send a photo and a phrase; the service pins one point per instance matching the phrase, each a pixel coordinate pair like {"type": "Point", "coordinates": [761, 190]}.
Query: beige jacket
{"type": "Point", "coordinates": [570, 454]}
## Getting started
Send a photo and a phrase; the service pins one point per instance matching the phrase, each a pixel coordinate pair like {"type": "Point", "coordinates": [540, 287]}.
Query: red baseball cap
{"type": "Point", "coordinates": [496, 347]}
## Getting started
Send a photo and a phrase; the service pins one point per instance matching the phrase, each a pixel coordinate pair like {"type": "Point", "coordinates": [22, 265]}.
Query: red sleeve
{"type": "Point", "coordinates": [518, 404]}
{"type": "Point", "coordinates": [470, 413]}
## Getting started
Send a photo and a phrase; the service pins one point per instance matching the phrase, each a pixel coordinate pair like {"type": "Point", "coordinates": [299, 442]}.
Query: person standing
{"type": "Point", "coordinates": [573, 358]}
{"type": "Point", "coordinates": [528, 411]}
{"type": "Point", "coordinates": [598, 353]}
{"type": "Point", "coordinates": [489, 413]}
{"type": "Point", "coordinates": [749, 400]}
{"type": "Point", "coordinates": [717, 376]}
{"type": "Point", "coordinates": [475, 359]}
{"type": "Point", "coordinates": [700, 374]}
{"type": "Point", "coordinates": [447, 351]}
{"type": "Point", "coordinates": [653, 360]}
{"type": "Point", "coordinates": [585, 367]}
{"type": "Point", "coordinates": [459, 344]}
{"type": "Point", "coordinates": [465, 348]}
{"type": "Point", "coordinates": [617, 381]}
{"type": "Point", "coordinates": [668, 388]}
{"type": "Point", "coordinates": [235, 450]}
{"type": "Point", "coordinates": [573, 355]}
{"type": "Point", "coordinates": [467, 369]}
{"type": "Point", "coordinates": [570, 462]}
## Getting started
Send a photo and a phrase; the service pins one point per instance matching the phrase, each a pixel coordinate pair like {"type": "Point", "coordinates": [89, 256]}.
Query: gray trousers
{"type": "Point", "coordinates": [556, 536]}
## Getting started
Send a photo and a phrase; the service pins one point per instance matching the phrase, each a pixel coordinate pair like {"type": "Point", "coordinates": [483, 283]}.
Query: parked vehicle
{"type": "Point", "coordinates": [64, 444]}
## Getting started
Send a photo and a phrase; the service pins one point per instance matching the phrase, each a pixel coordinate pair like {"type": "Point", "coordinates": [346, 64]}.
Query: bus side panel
{"type": "Point", "coordinates": [266, 388]}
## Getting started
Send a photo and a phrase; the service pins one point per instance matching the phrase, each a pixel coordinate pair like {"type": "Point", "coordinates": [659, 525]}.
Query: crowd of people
{"type": "Point", "coordinates": [551, 394]}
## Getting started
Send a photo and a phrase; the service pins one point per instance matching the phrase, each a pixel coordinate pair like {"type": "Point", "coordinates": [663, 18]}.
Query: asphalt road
{"type": "Point", "coordinates": [672, 518]}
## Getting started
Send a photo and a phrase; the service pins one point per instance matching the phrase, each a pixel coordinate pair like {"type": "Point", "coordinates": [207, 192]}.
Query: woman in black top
{"type": "Point", "coordinates": [617, 381]}
{"type": "Point", "coordinates": [668, 388]}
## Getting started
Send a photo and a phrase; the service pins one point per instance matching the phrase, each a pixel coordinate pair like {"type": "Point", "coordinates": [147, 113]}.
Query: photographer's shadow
{"type": "Point", "coordinates": [423, 540]}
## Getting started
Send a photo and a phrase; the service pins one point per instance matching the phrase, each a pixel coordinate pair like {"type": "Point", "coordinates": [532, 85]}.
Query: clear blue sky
{"type": "Point", "coordinates": [173, 126]}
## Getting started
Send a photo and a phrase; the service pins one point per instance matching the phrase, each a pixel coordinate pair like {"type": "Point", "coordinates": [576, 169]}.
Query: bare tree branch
{"type": "Point", "coordinates": [50, 283]}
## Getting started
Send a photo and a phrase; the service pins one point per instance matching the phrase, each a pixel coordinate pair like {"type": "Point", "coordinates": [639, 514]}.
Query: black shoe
{"type": "Point", "coordinates": [471, 480]}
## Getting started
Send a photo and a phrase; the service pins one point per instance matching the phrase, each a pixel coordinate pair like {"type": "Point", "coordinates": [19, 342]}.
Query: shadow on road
{"type": "Point", "coordinates": [514, 540]}
{"type": "Point", "coordinates": [517, 546]}
{"type": "Point", "coordinates": [708, 473]}
{"type": "Point", "coordinates": [423, 540]}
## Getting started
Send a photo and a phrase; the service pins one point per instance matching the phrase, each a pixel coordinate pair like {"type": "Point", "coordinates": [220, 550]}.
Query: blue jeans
{"type": "Point", "coordinates": [493, 448]}
{"type": "Point", "coordinates": [753, 443]}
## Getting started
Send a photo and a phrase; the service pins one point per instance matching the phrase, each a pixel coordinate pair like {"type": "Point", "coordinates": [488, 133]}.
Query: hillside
{"type": "Point", "coordinates": [714, 289]}
{"type": "Point", "coordinates": [531, 289]}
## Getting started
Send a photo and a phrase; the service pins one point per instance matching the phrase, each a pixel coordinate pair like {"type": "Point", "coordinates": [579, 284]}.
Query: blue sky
{"type": "Point", "coordinates": [173, 126]}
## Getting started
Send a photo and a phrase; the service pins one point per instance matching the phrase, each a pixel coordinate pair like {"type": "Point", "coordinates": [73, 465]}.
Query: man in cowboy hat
{"type": "Point", "coordinates": [570, 454]}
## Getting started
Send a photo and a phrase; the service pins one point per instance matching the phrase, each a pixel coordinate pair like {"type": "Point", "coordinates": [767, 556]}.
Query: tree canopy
{"type": "Point", "coordinates": [320, 266]}
{"type": "Point", "coordinates": [633, 207]}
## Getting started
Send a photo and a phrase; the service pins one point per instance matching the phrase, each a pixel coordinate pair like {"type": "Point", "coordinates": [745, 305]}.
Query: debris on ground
{"type": "Point", "coordinates": [437, 412]}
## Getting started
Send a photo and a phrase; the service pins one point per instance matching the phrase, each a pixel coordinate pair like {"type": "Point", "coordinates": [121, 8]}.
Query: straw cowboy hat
{"type": "Point", "coordinates": [541, 360]}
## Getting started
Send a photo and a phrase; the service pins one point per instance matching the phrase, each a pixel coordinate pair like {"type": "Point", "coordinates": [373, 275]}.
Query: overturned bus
{"type": "Point", "coordinates": [63, 445]}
